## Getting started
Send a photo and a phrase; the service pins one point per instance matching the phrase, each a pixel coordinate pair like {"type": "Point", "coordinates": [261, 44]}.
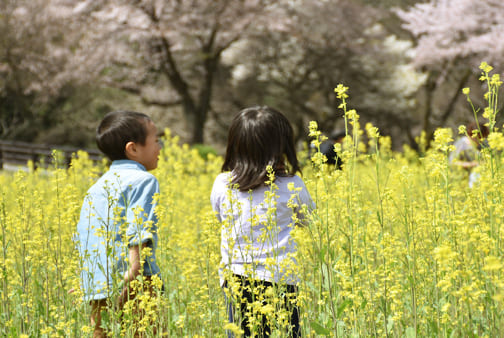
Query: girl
{"type": "Point", "coordinates": [259, 199]}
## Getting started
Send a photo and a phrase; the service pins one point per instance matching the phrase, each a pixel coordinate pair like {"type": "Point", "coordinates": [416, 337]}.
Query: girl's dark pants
{"type": "Point", "coordinates": [249, 290]}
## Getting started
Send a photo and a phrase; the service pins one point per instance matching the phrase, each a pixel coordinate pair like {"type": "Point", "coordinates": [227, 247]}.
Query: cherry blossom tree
{"type": "Point", "coordinates": [447, 30]}
{"type": "Point", "coordinates": [452, 38]}
{"type": "Point", "coordinates": [299, 68]}
{"type": "Point", "coordinates": [173, 45]}
{"type": "Point", "coordinates": [219, 56]}
{"type": "Point", "coordinates": [207, 59]}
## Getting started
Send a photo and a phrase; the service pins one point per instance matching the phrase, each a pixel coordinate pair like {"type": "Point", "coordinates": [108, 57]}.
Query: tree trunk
{"type": "Point", "coordinates": [430, 88]}
{"type": "Point", "coordinates": [195, 108]}
{"type": "Point", "coordinates": [200, 115]}
{"type": "Point", "coordinates": [198, 127]}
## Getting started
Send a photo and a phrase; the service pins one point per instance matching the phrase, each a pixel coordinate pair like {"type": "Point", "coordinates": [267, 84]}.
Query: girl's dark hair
{"type": "Point", "coordinates": [258, 137]}
{"type": "Point", "coordinates": [117, 129]}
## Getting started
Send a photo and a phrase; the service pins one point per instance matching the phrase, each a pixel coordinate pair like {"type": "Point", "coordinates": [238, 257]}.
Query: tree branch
{"type": "Point", "coordinates": [451, 105]}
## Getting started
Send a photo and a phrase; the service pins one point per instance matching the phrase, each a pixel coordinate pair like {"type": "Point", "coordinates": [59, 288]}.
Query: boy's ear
{"type": "Point", "coordinates": [130, 150]}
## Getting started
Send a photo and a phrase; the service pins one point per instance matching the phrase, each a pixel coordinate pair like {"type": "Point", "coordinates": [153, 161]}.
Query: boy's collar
{"type": "Point", "coordinates": [130, 164]}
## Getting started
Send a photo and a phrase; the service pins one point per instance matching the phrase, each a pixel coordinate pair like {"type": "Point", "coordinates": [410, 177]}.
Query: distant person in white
{"type": "Point", "coordinates": [467, 150]}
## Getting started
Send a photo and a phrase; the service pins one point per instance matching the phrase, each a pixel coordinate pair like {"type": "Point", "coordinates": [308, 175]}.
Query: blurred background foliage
{"type": "Point", "coordinates": [192, 65]}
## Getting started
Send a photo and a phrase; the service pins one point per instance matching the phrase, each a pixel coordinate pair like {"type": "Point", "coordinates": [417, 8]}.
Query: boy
{"type": "Point", "coordinates": [118, 227]}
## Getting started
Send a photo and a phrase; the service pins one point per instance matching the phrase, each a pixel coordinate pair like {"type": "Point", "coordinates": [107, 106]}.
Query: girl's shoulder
{"type": "Point", "coordinates": [288, 179]}
{"type": "Point", "coordinates": [222, 181]}
{"type": "Point", "coordinates": [224, 177]}
{"type": "Point", "coordinates": [220, 187]}
{"type": "Point", "coordinates": [285, 183]}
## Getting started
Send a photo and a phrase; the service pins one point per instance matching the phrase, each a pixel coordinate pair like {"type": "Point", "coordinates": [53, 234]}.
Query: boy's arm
{"type": "Point", "coordinates": [135, 266]}
{"type": "Point", "coordinates": [142, 224]}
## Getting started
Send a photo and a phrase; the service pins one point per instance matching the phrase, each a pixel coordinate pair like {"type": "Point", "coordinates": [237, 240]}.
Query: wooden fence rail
{"type": "Point", "coordinates": [19, 153]}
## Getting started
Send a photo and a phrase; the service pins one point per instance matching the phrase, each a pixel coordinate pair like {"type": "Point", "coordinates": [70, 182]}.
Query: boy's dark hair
{"type": "Point", "coordinates": [258, 137]}
{"type": "Point", "coordinates": [117, 129]}
{"type": "Point", "coordinates": [483, 130]}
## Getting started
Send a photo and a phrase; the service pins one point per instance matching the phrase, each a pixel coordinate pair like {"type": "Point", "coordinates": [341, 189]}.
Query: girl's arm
{"type": "Point", "coordinates": [466, 164]}
{"type": "Point", "coordinates": [305, 199]}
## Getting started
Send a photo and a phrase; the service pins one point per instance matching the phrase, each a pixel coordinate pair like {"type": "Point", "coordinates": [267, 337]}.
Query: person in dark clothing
{"type": "Point", "coordinates": [327, 148]}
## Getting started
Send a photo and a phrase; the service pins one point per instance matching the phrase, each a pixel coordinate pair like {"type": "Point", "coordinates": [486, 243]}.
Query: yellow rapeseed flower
{"type": "Point", "coordinates": [340, 91]}
{"type": "Point", "coordinates": [496, 141]}
{"type": "Point", "coordinates": [484, 66]}
{"type": "Point", "coordinates": [493, 263]}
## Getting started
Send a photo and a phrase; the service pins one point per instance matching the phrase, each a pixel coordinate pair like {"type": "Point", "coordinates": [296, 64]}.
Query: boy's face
{"type": "Point", "coordinates": [148, 154]}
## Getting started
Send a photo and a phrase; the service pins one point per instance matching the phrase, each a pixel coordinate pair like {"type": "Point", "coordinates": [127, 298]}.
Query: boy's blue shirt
{"type": "Point", "coordinates": [117, 213]}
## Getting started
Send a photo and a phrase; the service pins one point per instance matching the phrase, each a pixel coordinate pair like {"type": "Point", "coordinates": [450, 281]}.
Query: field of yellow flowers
{"type": "Point", "coordinates": [399, 245]}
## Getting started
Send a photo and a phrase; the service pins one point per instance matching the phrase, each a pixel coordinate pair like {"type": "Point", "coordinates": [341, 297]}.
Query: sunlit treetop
{"type": "Point", "coordinates": [450, 29]}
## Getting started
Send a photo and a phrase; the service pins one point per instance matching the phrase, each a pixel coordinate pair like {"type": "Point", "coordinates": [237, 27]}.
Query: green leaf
{"type": "Point", "coordinates": [410, 332]}
{"type": "Point", "coordinates": [342, 307]}
{"type": "Point", "coordinates": [322, 253]}
{"type": "Point", "coordinates": [390, 324]}
{"type": "Point", "coordinates": [319, 329]}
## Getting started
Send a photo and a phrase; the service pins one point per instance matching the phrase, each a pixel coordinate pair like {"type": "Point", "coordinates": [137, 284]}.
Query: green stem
{"type": "Point", "coordinates": [5, 283]}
